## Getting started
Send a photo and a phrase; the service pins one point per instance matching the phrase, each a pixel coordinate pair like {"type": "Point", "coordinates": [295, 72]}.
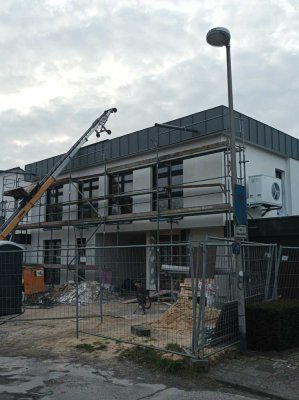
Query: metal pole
{"type": "Point", "coordinates": [231, 119]}
{"type": "Point", "coordinates": [77, 293]}
{"type": "Point", "coordinates": [234, 181]}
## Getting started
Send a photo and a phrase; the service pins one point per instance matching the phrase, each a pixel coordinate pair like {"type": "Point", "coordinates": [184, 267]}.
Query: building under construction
{"type": "Point", "coordinates": [170, 183]}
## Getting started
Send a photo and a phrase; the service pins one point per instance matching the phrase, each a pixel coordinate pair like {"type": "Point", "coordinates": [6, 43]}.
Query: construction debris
{"type": "Point", "coordinates": [88, 292]}
{"type": "Point", "coordinates": [179, 317]}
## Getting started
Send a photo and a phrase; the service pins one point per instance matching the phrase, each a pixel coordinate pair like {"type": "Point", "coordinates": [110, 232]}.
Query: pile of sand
{"type": "Point", "coordinates": [179, 317]}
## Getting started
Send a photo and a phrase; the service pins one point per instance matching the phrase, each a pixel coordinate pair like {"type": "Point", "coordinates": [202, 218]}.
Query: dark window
{"type": "Point", "coordinates": [120, 189]}
{"type": "Point", "coordinates": [81, 253]}
{"type": "Point", "coordinates": [52, 255]}
{"type": "Point", "coordinates": [278, 173]}
{"type": "Point", "coordinates": [168, 179]}
{"type": "Point", "coordinates": [172, 255]}
{"type": "Point", "coordinates": [54, 204]}
{"type": "Point", "coordinates": [88, 191]}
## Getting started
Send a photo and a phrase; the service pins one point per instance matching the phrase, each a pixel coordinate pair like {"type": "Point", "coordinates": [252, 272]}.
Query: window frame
{"type": "Point", "coordinates": [54, 202]}
{"type": "Point", "coordinates": [168, 172]}
{"type": "Point", "coordinates": [122, 203]}
{"type": "Point", "coordinates": [52, 255]}
{"type": "Point", "coordinates": [87, 207]}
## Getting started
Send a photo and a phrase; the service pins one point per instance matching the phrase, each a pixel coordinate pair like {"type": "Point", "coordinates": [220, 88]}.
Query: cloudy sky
{"type": "Point", "coordinates": [65, 61]}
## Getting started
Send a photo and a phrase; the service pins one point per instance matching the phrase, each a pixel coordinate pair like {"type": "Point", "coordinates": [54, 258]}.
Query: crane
{"type": "Point", "coordinates": [30, 198]}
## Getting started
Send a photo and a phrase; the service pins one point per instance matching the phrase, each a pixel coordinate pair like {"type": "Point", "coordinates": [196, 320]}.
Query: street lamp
{"type": "Point", "coordinates": [220, 37]}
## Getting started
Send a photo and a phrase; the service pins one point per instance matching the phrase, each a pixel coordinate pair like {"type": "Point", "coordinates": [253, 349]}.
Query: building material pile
{"type": "Point", "coordinates": [88, 292]}
{"type": "Point", "coordinates": [179, 317]}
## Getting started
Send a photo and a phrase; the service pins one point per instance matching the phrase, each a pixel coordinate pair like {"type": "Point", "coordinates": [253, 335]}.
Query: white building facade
{"type": "Point", "coordinates": [160, 185]}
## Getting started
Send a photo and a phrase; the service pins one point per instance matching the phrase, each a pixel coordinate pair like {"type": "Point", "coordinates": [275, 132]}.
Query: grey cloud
{"type": "Point", "coordinates": [84, 34]}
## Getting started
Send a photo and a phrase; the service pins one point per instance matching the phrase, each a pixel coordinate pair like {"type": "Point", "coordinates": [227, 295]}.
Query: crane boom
{"type": "Point", "coordinates": [45, 183]}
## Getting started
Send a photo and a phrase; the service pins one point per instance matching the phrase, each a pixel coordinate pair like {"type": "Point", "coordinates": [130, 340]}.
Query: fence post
{"type": "Point", "coordinates": [277, 265]}
{"type": "Point", "coordinates": [269, 255]}
{"type": "Point", "coordinates": [77, 293]}
{"type": "Point", "coordinates": [239, 268]}
{"type": "Point", "coordinates": [194, 282]}
{"type": "Point", "coordinates": [203, 295]}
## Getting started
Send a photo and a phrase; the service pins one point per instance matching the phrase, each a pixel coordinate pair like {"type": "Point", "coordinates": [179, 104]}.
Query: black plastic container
{"type": "Point", "coordinates": [11, 263]}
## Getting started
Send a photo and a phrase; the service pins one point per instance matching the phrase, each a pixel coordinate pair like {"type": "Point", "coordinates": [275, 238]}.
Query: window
{"type": "Point", "coordinates": [120, 187]}
{"type": "Point", "coordinates": [54, 204]}
{"type": "Point", "coordinates": [88, 191]}
{"type": "Point", "coordinates": [278, 174]}
{"type": "Point", "coordinates": [81, 253]}
{"type": "Point", "coordinates": [168, 179]}
{"type": "Point", "coordinates": [52, 255]}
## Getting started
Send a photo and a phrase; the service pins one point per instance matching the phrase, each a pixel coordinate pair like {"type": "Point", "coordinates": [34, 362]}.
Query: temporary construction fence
{"type": "Point", "coordinates": [178, 297]}
{"type": "Point", "coordinates": [287, 270]}
{"type": "Point", "coordinates": [217, 322]}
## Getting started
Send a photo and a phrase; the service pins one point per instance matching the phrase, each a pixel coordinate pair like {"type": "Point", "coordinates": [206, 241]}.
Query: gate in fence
{"type": "Point", "coordinates": [178, 297]}
{"type": "Point", "coordinates": [216, 324]}
{"type": "Point", "coordinates": [287, 271]}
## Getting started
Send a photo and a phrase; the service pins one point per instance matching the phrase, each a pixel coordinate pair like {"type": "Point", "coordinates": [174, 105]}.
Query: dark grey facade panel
{"type": "Point", "coordinates": [294, 147]}
{"type": "Point", "coordinates": [214, 120]}
{"type": "Point", "coordinates": [238, 120]}
{"type": "Point", "coordinates": [282, 142]}
{"type": "Point", "coordinates": [124, 145]}
{"type": "Point", "coordinates": [206, 122]}
{"type": "Point", "coordinates": [275, 140]}
{"type": "Point", "coordinates": [288, 141]}
{"type": "Point", "coordinates": [268, 137]}
{"type": "Point", "coordinates": [188, 123]}
{"type": "Point", "coordinates": [261, 134]}
{"type": "Point", "coordinates": [164, 135]}
{"type": "Point", "coordinates": [174, 135]}
{"type": "Point", "coordinates": [199, 123]}
{"type": "Point", "coordinates": [133, 143]}
{"type": "Point", "coordinates": [243, 130]}
{"type": "Point", "coordinates": [253, 131]}
{"type": "Point", "coordinates": [75, 163]}
{"type": "Point", "coordinates": [98, 154]}
{"type": "Point", "coordinates": [115, 148]}
{"type": "Point", "coordinates": [143, 140]}
{"type": "Point", "coordinates": [153, 136]}
{"type": "Point", "coordinates": [108, 149]}
{"type": "Point", "coordinates": [225, 118]}
{"type": "Point", "coordinates": [176, 122]}
{"type": "Point", "coordinates": [83, 159]}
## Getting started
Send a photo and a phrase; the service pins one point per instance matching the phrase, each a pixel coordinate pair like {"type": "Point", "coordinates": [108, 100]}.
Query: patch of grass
{"type": "Point", "coordinates": [156, 360]}
{"type": "Point", "coordinates": [174, 347]}
{"type": "Point", "coordinates": [89, 348]}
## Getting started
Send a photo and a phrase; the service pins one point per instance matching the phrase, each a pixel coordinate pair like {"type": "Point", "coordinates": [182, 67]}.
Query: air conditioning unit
{"type": "Point", "coordinates": [264, 190]}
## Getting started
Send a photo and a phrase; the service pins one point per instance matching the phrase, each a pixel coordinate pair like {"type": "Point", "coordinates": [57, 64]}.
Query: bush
{"type": "Point", "coordinates": [273, 325]}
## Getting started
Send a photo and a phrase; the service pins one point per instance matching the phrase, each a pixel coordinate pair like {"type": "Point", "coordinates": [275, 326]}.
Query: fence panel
{"type": "Point", "coordinates": [217, 311]}
{"type": "Point", "coordinates": [179, 297]}
{"type": "Point", "coordinates": [217, 325]}
{"type": "Point", "coordinates": [259, 271]}
{"type": "Point", "coordinates": [288, 273]}
{"type": "Point", "coordinates": [145, 297]}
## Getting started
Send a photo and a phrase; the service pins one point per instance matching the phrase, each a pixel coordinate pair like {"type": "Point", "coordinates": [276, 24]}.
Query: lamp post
{"type": "Point", "coordinates": [220, 37]}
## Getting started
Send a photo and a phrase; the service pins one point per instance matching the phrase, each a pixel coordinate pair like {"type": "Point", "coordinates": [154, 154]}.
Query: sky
{"type": "Point", "coordinates": [63, 62]}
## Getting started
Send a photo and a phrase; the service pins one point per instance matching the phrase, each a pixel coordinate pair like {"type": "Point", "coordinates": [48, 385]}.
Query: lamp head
{"type": "Point", "coordinates": [218, 37]}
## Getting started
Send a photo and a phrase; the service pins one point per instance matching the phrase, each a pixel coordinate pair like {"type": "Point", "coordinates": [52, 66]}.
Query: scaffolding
{"type": "Point", "coordinates": [104, 216]}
